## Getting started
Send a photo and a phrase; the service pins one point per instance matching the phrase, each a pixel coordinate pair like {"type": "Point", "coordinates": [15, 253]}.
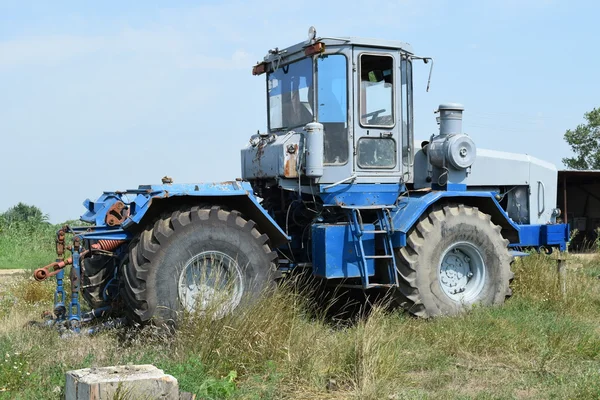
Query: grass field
{"type": "Point", "coordinates": [27, 245]}
{"type": "Point", "coordinates": [539, 345]}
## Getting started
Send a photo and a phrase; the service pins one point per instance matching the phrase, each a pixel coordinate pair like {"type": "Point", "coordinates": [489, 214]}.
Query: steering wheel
{"type": "Point", "coordinates": [373, 114]}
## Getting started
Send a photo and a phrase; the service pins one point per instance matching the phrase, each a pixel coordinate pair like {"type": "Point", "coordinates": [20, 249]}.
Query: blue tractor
{"type": "Point", "coordinates": [338, 186]}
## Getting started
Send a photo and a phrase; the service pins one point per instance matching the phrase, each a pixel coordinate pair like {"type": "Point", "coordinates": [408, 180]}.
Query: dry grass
{"type": "Point", "coordinates": [539, 345]}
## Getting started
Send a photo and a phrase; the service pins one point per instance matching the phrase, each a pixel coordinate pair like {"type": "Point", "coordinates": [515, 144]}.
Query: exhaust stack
{"type": "Point", "coordinates": [450, 118]}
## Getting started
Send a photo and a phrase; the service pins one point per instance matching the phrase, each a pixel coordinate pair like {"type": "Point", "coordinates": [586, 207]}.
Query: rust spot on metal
{"type": "Point", "coordinates": [76, 243]}
{"type": "Point", "coordinates": [116, 214]}
{"type": "Point", "coordinates": [60, 243]}
{"type": "Point", "coordinates": [260, 151]}
{"type": "Point", "coordinates": [290, 167]}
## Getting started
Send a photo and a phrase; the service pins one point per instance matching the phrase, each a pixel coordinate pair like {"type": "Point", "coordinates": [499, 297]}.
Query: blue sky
{"type": "Point", "coordinates": [108, 95]}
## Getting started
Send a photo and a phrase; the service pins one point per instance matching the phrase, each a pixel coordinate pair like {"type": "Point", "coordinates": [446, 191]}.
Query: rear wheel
{"type": "Point", "coordinates": [97, 271]}
{"type": "Point", "coordinates": [455, 257]}
{"type": "Point", "coordinates": [198, 260]}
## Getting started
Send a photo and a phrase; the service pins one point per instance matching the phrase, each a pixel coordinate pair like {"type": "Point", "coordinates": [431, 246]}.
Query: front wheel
{"type": "Point", "coordinates": [201, 261]}
{"type": "Point", "coordinates": [455, 257]}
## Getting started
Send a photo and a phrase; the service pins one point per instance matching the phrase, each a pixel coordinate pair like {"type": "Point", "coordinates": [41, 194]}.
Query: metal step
{"type": "Point", "coordinates": [379, 231]}
{"type": "Point", "coordinates": [375, 207]}
{"type": "Point", "coordinates": [369, 286]}
{"type": "Point", "coordinates": [381, 256]}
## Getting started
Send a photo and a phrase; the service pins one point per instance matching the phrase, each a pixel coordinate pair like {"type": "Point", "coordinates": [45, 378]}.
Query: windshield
{"type": "Point", "coordinates": [290, 91]}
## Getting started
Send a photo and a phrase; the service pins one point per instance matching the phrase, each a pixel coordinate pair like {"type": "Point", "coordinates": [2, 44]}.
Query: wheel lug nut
{"type": "Point", "coordinates": [470, 275]}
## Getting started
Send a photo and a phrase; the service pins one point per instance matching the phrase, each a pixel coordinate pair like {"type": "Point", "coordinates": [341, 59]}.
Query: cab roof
{"type": "Point", "coordinates": [341, 41]}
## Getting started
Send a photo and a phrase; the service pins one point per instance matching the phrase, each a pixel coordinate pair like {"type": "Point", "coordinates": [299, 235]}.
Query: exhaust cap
{"type": "Point", "coordinates": [450, 118]}
{"type": "Point", "coordinates": [451, 106]}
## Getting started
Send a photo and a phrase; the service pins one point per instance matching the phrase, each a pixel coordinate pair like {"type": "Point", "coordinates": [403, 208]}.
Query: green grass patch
{"type": "Point", "coordinates": [541, 344]}
{"type": "Point", "coordinates": [27, 245]}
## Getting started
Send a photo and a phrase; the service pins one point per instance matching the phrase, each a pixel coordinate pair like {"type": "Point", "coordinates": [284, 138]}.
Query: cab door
{"type": "Point", "coordinates": [377, 127]}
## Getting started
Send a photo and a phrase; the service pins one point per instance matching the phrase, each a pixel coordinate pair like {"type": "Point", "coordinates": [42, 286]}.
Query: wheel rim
{"type": "Point", "coordinates": [462, 272]}
{"type": "Point", "coordinates": [210, 283]}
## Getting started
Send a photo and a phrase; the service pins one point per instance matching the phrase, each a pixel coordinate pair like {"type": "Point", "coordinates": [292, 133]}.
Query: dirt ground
{"type": "Point", "coordinates": [4, 272]}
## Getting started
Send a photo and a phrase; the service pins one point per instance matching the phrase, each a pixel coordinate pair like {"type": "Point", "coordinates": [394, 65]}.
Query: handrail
{"type": "Point", "coordinates": [543, 192]}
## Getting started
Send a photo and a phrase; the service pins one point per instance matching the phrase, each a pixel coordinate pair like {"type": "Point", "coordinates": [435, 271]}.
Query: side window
{"type": "Point", "coordinates": [332, 111]}
{"type": "Point", "coordinates": [376, 90]}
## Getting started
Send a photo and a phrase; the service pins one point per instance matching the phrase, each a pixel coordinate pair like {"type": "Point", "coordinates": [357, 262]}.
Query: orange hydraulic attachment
{"type": "Point", "coordinates": [43, 273]}
{"type": "Point", "coordinates": [52, 269]}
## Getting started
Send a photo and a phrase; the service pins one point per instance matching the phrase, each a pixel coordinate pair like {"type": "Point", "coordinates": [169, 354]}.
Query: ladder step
{"type": "Point", "coordinates": [369, 286]}
{"type": "Point", "coordinates": [380, 256]}
{"type": "Point", "coordinates": [377, 231]}
{"type": "Point", "coordinates": [370, 207]}
{"type": "Point", "coordinates": [381, 285]}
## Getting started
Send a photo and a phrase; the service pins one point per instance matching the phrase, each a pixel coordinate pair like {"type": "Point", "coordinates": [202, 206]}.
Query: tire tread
{"type": "Point", "coordinates": [139, 301]}
{"type": "Point", "coordinates": [408, 294]}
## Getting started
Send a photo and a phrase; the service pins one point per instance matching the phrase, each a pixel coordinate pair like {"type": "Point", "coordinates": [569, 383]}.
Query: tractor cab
{"type": "Point", "coordinates": [359, 94]}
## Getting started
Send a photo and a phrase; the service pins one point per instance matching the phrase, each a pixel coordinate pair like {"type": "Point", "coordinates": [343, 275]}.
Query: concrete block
{"type": "Point", "coordinates": [130, 382]}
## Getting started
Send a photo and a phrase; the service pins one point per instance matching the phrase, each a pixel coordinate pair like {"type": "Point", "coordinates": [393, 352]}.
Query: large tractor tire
{"type": "Point", "coordinates": [200, 260]}
{"type": "Point", "coordinates": [455, 257]}
{"type": "Point", "coordinates": [97, 271]}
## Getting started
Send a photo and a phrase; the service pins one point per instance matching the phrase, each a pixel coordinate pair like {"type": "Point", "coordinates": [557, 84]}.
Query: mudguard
{"type": "Point", "coordinates": [409, 209]}
{"type": "Point", "coordinates": [154, 199]}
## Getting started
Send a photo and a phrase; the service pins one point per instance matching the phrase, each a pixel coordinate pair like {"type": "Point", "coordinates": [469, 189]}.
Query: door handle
{"type": "Point", "coordinates": [542, 190]}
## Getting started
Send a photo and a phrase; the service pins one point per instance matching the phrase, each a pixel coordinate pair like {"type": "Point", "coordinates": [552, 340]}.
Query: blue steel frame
{"type": "Point", "coordinates": [331, 243]}
{"type": "Point", "coordinates": [406, 211]}
{"type": "Point", "coordinates": [408, 208]}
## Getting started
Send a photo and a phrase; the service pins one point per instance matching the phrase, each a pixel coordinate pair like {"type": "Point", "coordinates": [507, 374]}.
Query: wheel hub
{"type": "Point", "coordinates": [462, 272]}
{"type": "Point", "coordinates": [210, 283]}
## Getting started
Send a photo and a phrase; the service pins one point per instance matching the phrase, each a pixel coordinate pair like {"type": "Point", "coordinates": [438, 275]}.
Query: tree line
{"type": "Point", "coordinates": [585, 143]}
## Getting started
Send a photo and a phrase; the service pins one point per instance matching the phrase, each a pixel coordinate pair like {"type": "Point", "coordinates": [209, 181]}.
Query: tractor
{"type": "Point", "coordinates": [337, 186]}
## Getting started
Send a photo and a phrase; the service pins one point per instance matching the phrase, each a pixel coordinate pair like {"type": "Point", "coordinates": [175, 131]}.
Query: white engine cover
{"type": "Point", "coordinates": [496, 168]}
